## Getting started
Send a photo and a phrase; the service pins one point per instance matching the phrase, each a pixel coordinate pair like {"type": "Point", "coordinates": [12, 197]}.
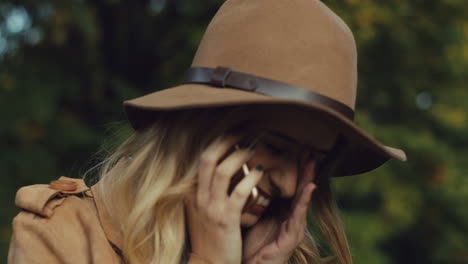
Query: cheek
{"type": "Point", "coordinates": [261, 153]}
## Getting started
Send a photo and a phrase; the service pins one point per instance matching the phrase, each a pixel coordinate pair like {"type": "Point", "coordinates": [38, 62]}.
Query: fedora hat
{"type": "Point", "coordinates": [293, 52]}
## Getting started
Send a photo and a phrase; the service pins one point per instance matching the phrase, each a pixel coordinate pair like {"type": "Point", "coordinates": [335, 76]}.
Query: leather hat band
{"type": "Point", "coordinates": [227, 78]}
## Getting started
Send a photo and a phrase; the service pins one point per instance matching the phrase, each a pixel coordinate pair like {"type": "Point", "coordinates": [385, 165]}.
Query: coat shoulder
{"type": "Point", "coordinates": [43, 199]}
{"type": "Point", "coordinates": [58, 223]}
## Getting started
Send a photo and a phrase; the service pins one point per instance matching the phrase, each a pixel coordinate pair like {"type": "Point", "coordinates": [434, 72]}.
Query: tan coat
{"type": "Point", "coordinates": [59, 226]}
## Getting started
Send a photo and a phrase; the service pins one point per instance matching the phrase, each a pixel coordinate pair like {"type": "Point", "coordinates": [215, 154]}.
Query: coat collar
{"type": "Point", "coordinates": [111, 229]}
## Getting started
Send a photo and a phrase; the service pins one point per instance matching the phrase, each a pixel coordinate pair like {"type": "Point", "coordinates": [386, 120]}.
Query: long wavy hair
{"type": "Point", "coordinates": [156, 169]}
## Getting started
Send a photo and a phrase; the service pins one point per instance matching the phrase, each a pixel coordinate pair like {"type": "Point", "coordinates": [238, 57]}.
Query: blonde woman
{"type": "Point", "coordinates": [222, 168]}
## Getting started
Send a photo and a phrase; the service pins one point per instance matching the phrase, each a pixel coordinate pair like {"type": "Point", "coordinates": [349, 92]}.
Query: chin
{"type": "Point", "coordinates": [248, 220]}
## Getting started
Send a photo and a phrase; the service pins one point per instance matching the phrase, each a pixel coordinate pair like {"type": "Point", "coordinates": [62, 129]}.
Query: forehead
{"type": "Point", "coordinates": [294, 123]}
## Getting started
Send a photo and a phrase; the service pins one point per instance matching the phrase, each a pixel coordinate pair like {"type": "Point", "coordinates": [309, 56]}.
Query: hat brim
{"type": "Point", "coordinates": [363, 152]}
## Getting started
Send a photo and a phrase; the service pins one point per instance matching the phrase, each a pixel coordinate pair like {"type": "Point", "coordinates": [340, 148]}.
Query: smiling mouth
{"type": "Point", "coordinates": [264, 198]}
{"type": "Point", "coordinates": [261, 203]}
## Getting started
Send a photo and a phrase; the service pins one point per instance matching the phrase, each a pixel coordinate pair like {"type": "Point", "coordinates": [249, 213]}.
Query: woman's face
{"type": "Point", "coordinates": [281, 146]}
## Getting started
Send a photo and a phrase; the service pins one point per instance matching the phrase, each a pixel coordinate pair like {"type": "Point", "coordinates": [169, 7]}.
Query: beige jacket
{"type": "Point", "coordinates": [64, 222]}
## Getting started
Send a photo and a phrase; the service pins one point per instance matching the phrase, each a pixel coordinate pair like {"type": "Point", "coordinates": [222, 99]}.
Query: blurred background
{"type": "Point", "coordinates": [66, 66]}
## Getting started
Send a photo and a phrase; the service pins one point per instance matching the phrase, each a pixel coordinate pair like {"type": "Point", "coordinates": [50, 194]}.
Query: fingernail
{"type": "Point", "coordinates": [259, 168]}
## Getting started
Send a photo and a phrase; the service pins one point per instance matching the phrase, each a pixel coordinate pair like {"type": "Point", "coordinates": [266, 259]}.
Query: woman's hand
{"type": "Point", "coordinates": [271, 242]}
{"type": "Point", "coordinates": [214, 216]}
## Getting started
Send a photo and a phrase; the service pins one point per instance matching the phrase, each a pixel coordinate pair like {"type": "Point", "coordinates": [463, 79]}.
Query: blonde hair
{"type": "Point", "coordinates": [156, 169]}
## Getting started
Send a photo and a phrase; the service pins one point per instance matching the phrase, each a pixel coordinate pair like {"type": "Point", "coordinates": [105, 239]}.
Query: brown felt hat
{"type": "Point", "coordinates": [295, 52]}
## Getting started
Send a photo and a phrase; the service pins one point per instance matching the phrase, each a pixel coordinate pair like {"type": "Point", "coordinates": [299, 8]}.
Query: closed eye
{"type": "Point", "coordinates": [275, 150]}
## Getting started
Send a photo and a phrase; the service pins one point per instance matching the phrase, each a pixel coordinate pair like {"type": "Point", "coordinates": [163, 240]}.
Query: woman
{"type": "Point", "coordinates": [221, 168]}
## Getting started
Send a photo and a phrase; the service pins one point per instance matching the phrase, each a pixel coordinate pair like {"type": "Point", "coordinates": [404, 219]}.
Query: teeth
{"type": "Point", "coordinates": [263, 201]}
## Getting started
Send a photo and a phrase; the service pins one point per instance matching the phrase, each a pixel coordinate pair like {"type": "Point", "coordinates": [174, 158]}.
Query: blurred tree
{"type": "Point", "coordinates": [66, 66]}
{"type": "Point", "coordinates": [413, 71]}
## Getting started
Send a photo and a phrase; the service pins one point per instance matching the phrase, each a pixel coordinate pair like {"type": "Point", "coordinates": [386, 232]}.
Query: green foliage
{"type": "Point", "coordinates": [413, 68]}
{"type": "Point", "coordinates": [66, 66]}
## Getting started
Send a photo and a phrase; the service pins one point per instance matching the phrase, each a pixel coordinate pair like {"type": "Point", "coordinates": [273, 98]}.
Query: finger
{"type": "Point", "coordinates": [242, 191]}
{"type": "Point", "coordinates": [305, 156]}
{"type": "Point", "coordinates": [225, 172]}
{"type": "Point", "coordinates": [208, 162]}
{"type": "Point", "coordinates": [306, 177]}
{"type": "Point", "coordinates": [298, 217]}
{"type": "Point", "coordinates": [309, 171]}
